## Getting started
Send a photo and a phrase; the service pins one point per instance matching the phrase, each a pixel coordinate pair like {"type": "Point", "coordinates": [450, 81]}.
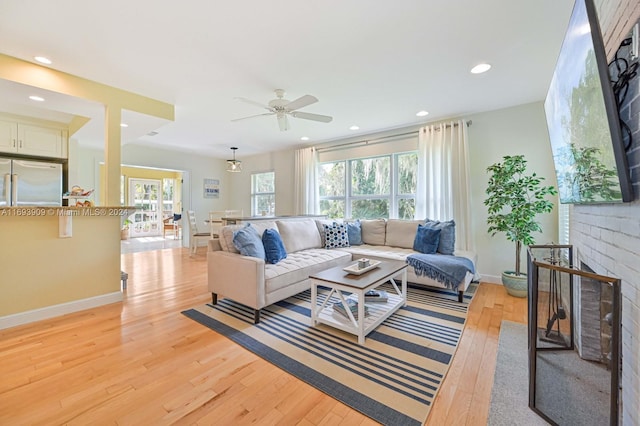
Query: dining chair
{"type": "Point", "coordinates": [234, 213]}
{"type": "Point", "coordinates": [215, 222]}
{"type": "Point", "coordinates": [194, 234]}
{"type": "Point", "coordinates": [168, 225]}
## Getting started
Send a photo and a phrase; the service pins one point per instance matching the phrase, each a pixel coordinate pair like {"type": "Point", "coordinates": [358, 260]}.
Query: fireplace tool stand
{"type": "Point", "coordinates": [555, 306]}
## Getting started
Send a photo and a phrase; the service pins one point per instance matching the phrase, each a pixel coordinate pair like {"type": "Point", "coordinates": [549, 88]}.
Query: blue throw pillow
{"type": "Point", "coordinates": [354, 231]}
{"type": "Point", "coordinates": [427, 239]}
{"type": "Point", "coordinates": [336, 235]}
{"type": "Point", "coordinates": [248, 242]}
{"type": "Point", "coordinates": [447, 243]}
{"type": "Point", "coordinates": [273, 246]}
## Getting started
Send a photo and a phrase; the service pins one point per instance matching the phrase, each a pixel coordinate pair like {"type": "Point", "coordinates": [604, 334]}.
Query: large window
{"type": "Point", "coordinates": [263, 194]}
{"type": "Point", "coordinates": [368, 188]}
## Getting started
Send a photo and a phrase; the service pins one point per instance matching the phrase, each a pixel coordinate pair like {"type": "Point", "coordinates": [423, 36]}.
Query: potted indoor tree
{"type": "Point", "coordinates": [124, 231]}
{"type": "Point", "coordinates": [514, 200]}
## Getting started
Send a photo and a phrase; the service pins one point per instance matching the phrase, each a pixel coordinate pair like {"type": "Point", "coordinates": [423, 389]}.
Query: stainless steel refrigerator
{"type": "Point", "coordinates": [30, 183]}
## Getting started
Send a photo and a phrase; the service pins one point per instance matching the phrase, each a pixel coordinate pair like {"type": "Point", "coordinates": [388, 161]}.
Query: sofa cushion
{"type": "Point", "coordinates": [262, 225]}
{"type": "Point", "coordinates": [248, 242]}
{"type": "Point", "coordinates": [373, 231]}
{"type": "Point", "coordinates": [354, 231]}
{"type": "Point", "coordinates": [401, 233]}
{"type": "Point", "coordinates": [299, 265]}
{"type": "Point", "coordinates": [273, 246]}
{"type": "Point", "coordinates": [426, 239]}
{"type": "Point", "coordinates": [336, 235]}
{"type": "Point", "coordinates": [447, 244]}
{"type": "Point", "coordinates": [299, 234]}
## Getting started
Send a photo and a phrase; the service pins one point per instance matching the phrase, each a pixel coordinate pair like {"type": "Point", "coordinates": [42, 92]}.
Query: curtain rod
{"type": "Point", "coordinates": [383, 138]}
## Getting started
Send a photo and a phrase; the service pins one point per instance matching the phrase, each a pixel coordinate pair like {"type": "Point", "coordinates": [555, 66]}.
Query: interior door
{"type": "Point", "coordinates": [145, 195]}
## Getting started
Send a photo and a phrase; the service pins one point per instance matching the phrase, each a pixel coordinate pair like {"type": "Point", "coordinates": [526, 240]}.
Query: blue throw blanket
{"type": "Point", "coordinates": [448, 270]}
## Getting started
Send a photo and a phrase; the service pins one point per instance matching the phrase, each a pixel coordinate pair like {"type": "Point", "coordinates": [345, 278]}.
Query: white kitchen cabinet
{"type": "Point", "coordinates": [29, 139]}
{"type": "Point", "coordinates": [8, 136]}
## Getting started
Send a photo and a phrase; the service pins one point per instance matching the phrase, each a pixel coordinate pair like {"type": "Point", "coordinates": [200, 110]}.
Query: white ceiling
{"type": "Point", "coordinates": [370, 63]}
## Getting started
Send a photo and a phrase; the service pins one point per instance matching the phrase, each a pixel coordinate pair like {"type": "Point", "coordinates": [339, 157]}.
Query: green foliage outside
{"type": "Point", "coordinates": [370, 185]}
{"type": "Point", "coordinates": [371, 176]}
{"type": "Point", "coordinates": [263, 187]}
{"type": "Point", "coordinates": [263, 182]}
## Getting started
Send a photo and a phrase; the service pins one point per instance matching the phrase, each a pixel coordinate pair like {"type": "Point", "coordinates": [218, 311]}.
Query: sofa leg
{"type": "Point", "coordinates": [256, 316]}
{"type": "Point", "coordinates": [214, 298]}
{"type": "Point", "coordinates": [460, 296]}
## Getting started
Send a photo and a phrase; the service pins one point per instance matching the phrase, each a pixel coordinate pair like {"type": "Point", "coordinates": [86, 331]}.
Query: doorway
{"type": "Point", "coordinates": [144, 195]}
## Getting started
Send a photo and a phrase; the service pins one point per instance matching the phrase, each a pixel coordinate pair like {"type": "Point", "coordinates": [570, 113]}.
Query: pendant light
{"type": "Point", "coordinates": [234, 165]}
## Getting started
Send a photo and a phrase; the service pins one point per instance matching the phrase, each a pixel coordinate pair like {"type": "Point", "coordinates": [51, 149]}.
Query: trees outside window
{"type": "Point", "coordinates": [168, 188]}
{"type": "Point", "coordinates": [367, 188]}
{"type": "Point", "coordinates": [263, 194]}
{"type": "Point", "coordinates": [407, 184]}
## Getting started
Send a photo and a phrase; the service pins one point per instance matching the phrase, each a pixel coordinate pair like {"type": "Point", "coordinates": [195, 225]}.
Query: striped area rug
{"type": "Point", "coordinates": [393, 378]}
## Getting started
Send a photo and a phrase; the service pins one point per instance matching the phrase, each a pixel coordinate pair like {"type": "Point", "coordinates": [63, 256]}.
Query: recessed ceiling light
{"type": "Point", "coordinates": [422, 113]}
{"type": "Point", "coordinates": [124, 125]}
{"type": "Point", "coordinates": [36, 98]}
{"type": "Point", "coordinates": [354, 127]}
{"type": "Point", "coordinates": [43, 60]}
{"type": "Point", "coordinates": [304, 138]}
{"type": "Point", "coordinates": [480, 68]}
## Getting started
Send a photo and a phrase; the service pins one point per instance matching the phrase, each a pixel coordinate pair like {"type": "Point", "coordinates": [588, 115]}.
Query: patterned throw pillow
{"type": "Point", "coordinates": [336, 235]}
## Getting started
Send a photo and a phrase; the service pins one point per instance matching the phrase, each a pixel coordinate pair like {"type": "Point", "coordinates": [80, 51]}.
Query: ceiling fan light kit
{"type": "Point", "coordinates": [234, 166]}
{"type": "Point", "coordinates": [282, 108]}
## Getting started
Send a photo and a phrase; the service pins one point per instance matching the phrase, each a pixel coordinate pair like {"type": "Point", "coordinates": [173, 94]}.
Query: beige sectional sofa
{"type": "Point", "coordinates": [256, 283]}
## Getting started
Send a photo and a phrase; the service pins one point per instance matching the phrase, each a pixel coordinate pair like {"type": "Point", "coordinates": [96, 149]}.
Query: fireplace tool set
{"type": "Point", "coordinates": [555, 307]}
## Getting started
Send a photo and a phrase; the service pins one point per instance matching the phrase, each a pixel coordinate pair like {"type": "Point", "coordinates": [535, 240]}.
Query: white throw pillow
{"type": "Point", "coordinates": [299, 234]}
{"type": "Point", "coordinates": [401, 233]}
{"type": "Point", "coordinates": [226, 238]}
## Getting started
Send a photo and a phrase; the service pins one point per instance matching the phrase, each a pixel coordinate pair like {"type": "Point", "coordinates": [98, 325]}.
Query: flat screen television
{"type": "Point", "coordinates": [582, 118]}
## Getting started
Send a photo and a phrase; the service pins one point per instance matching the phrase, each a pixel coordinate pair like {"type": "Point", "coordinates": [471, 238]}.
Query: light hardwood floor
{"type": "Point", "coordinates": [142, 362]}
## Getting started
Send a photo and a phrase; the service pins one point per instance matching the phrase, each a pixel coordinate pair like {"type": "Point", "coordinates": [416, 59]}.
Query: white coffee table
{"type": "Point", "coordinates": [339, 281]}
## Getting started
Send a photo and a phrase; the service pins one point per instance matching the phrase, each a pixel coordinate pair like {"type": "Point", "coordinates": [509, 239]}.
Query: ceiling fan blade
{"type": "Point", "coordinates": [249, 101]}
{"type": "Point", "coordinates": [314, 117]}
{"type": "Point", "coordinates": [283, 122]}
{"type": "Point", "coordinates": [301, 102]}
{"type": "Point", "coordinates": [252, 116]}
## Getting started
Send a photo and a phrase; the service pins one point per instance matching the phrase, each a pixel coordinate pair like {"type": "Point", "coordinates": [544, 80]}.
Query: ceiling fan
{"type": "Point", "coordinates": [281, 108]}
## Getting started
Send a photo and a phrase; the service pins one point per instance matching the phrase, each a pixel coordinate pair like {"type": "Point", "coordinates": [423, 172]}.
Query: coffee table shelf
{"type": "Point", "coordinates": [338, 281]}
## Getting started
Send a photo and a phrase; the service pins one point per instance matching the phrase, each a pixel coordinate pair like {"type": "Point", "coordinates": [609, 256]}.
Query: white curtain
{"type": "Point", "coordinates": [305, 188]}
{"type": "Point", "coordinates": [443, 191]}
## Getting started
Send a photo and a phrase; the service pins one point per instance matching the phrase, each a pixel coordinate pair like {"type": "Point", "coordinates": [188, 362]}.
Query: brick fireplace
{"type": "Point", "coordinates": [607, 238]}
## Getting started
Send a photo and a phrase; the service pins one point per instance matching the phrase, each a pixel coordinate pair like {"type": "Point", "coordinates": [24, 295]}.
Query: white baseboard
{"type": "Point", "coordinates": [491, 279]}
{"type": "Point", "coordinates": [57, 310]}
